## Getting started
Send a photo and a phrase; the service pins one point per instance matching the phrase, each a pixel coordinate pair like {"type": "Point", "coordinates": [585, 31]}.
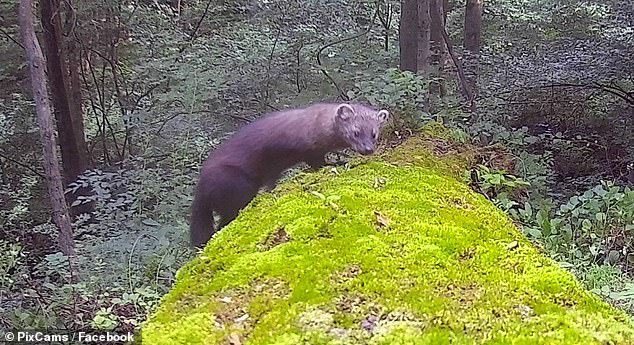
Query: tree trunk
{"type": "Point", "coordinates": [72, 157]}
{"type": "Point", "coordinates": [75, 98]}
{"type": "Point", "coordinates": [424, 26]}
{"type": "Point", "coordinates": [437, 46]}
{"type": "Point", "coordinates": [75, 102]}
{"type": "Point", "coordinates": [472, 34]}
{"type": "Point", "coordinates": [473, 25]}
{"type": "Point", "coordinates": [37, 65]}
{"type": "Point", "coordinates": [408, 35]}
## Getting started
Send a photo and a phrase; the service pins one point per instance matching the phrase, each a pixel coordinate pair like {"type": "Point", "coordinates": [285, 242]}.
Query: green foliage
{"type": "Point", "coordinates": [591, 228]}
{"type": "Point", "coordinates": [495, 182]}
{"type": "Point", "coordinates": [19, 197]}
{"type": "Point", "coordinates": [128, 250]}
{"type": "Point", "coordinates": [599, 278]}
{"type": "Point", "coordinates": [612, 284]}
{"type": "Point", "coordinates": [104, 320]}
{"type": "Point", "coordinates": [10, 258]}
{"type": "Point", "coordinates": [20, 188]}
{"type": "Point", "coordinates": [596, 226]}
{"type": "Point", "coordinates": [405, 92]}
{"type": "Point", "coordinates": [459, 135]}
{"type": "Point", "coordinates": [497, 185]}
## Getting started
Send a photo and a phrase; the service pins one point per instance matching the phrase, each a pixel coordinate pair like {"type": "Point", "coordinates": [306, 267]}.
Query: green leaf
{"type": "Point", "coordinates": [613, 256]}
{"type": "Point", "coordinates": [586, 225]}
{"type": "Point", "coordinates": [150, 222]}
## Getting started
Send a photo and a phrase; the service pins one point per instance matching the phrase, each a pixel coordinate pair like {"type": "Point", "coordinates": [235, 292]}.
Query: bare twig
{"type": "Point", "coordinates": [268, 69]}
{"type": "Point", "coordinates": [298, 67]}
{"type": "Point", "coordinates": [11, 38]}
{"type": "Point", "coordinates": [27, 167]}
{"type": "Point", "coordinates": [386, 22]}
{"type": "Point", "coordinates": [323, 70]}
{"type": "Point", "coordinates": [194, 33]}
{"type": "Point", "coordinates": [163, 122]}
{"type": "Point", "coordinates": [466, 90]}
{"type": "Point", "coordinates": [626, 95]}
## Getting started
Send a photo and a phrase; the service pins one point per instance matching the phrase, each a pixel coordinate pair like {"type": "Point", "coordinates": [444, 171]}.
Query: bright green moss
{"type": "Point", "coordinates": [392, 251]}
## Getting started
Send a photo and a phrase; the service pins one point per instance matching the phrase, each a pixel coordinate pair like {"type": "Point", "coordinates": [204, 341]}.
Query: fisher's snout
{"type": "Point", "coordinates": [366, 149]}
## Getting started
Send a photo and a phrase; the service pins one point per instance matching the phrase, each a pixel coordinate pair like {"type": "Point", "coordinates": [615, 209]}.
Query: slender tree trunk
{"type": "Point", "coordinates": [72, 156]}
{"type": "Point", "coordinates": [473, 25]}
{"type": "Point", "coordinates": [424, 27]}
{"type": "Point", "coordinates": [77, 114]}
{"type": "Point", "coordinates": [462, 80]}
{"type": "Point", "coordinates": [75, 97]}
{"type": "Point", "coordinates": [37, 66]}
{"type": "Point", "coordinates": [438, 46]}
{"type": "Point", "coordinates": [408, 35]}
{"type": "Point", "coordinates": [471, 57]}
{"type": "Point", "coordinates": [75, 100]}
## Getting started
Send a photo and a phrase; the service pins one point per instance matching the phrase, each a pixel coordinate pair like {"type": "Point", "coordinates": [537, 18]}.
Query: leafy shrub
{"type": "Point", "coordinates": [10, 259]}
{"type": "Point", "coordinates": [128, 251]}
{"type": "Point", "coordinates": [19, 198]}
{"type": "Point", "coordinates": [404, 91]}
{"type": "Point", "coordinates": [593, 227]}
{"type": "Point", "coordinates": [497, 185]}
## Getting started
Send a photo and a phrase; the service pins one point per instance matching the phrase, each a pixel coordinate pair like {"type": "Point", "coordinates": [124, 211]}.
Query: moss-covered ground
{"type": "Point", "coordinates": [394, 250]}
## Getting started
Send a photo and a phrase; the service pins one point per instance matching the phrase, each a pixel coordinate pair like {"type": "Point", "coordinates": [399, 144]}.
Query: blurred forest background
{"type": "Point", "coordinates": [141, 91]}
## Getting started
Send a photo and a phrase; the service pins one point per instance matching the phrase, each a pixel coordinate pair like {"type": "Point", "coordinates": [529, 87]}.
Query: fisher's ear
{"type": "Point", "coordinates": [345, 112]}
{"type": "Point", "coordinates": [383, 116]}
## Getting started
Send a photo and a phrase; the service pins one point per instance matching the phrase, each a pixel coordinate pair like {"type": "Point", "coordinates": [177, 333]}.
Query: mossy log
{"type": "Point", "coordinates": [394, 250]}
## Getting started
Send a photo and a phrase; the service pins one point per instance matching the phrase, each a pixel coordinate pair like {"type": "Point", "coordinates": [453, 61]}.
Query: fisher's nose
{"type": "Point", "coordinates": [366, 149]}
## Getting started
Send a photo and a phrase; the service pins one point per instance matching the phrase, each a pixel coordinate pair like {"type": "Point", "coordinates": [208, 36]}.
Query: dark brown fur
{"type": "Point", "coordinates": [260, 152]}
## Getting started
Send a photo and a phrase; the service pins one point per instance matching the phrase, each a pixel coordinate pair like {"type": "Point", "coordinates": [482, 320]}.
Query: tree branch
{"type": "Point", "coordinates": [27, 167]}
{"type": "Point", "coordinates": [466, 90]}
{"type": "Point", "coordinates": [11, 38]}
{"type": "Point", "coordinates": [323, 70]}
{"type": "Point", "coordinates": [194, 33]}
{"type": "Point", "coordinates": [268, 69]}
